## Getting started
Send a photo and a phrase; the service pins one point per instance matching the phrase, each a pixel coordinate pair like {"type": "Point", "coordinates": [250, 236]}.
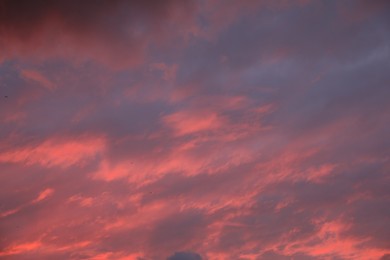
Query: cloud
{"type": "Point", "coordinates": [39, 78]}
{"type": "Point", "coordinates": [21, 248]}
{"type": "Point", "coordinates": [51, 153]}
{"type": "Point", "coordinates": [187, 123]}
{"type": "Point", "coordinates": [236, 130]}
{"type": "Point", "coordinates": [185, 256]}
{"type": "Point", "coordinates": [43, 195]}
{"type": "Point", "coordinates": [116, 32]}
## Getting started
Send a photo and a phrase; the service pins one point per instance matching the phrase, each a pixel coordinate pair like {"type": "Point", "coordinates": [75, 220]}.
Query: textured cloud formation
{"type": "Point", "coordinates": [194, 129]}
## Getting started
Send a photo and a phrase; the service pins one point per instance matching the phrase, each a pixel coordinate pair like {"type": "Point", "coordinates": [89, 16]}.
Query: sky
{"type": "Point", "coordinates": [195, 130]}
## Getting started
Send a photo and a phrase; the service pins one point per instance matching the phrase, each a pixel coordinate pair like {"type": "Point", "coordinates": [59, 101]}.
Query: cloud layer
{"type": "Point", "coordinates": [194, 129]}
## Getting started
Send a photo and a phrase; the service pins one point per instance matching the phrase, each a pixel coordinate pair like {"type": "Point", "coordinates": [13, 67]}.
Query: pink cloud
{"type": "Point", "coordinates": [21, 248]}
{"type": "Point", "coordinates": [184, 123]}
{"type": "Point", "coordinates": [44, 195]}
{"type": "Point", "coordinates": [55, 152]}
{"type": "Point", "coordinates": [36, 76]}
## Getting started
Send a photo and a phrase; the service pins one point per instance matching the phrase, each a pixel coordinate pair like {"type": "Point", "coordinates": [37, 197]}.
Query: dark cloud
{"type": "Point", "coordinates": [114, 31]}
{"type": "Point", "coordinates": [178, 230]}
{"type": "Point", "coordinates": [270, 255]}
{"type": "Point", "coordinates": [385, 257]}
{"type": "Point", "coordinates": [185, 256]}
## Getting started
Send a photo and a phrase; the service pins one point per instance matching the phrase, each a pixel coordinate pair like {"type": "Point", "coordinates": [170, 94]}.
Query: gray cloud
{"type": "Point", "coordinates": [185, 256]}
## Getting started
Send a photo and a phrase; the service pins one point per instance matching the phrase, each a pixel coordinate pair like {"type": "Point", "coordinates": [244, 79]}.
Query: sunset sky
{"type": "Point", "coordinates": [195, 130]}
